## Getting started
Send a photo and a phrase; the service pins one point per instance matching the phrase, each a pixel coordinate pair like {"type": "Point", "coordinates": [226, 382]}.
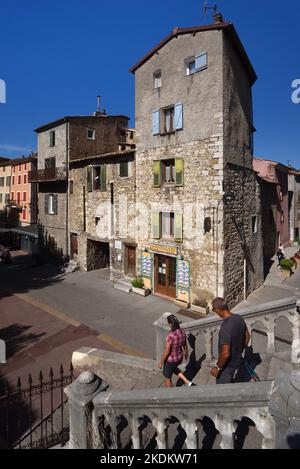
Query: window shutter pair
{"type": "Point", "coordinates": [179, 165]}
{"type": "Point", "coordinates": [90, 174]}
{"type": "Point", "coordinates": [178, 119]}
{"type": "Point", "coordinates": [46, 204]}
{"type": "Point", "coordinates": [178, 226]}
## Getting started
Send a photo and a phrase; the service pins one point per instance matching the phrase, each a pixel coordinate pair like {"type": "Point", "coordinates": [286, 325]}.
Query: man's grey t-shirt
{"type": "Point", "coordinates": [232, 333]}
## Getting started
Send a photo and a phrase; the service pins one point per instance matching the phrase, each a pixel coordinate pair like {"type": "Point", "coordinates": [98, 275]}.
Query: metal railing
{"type": "Point", "coordinates": [47, 174]}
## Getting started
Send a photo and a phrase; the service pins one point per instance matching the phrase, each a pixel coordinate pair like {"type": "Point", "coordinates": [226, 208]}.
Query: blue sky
{"type": "Point", "coordinates": [57, 55]}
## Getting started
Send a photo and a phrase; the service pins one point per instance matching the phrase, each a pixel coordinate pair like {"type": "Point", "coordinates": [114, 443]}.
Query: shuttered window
{"type": "Point", "coordinates": [156, 174]}
{"type": "Point", "coordinates": [124, 169]}
{"type": "Point", "coordinates": [89, 179]}
{"type": "Point", "coordinates": [46, 207]}
{"type": "Point", "coordinates": [179, 172]}
{"type": "Point", "coordinates": [178, 227]}
{"type": "Point", "coordinates": [178, 117]}
{"type": "Point", "coordinates": [156, 122]}
{"type": "Point", "coordinates": [156, 225]}
{"type": "Point", "coordinates": [51, 204]}
{"type": "Point", "coordinates": [196, 64]}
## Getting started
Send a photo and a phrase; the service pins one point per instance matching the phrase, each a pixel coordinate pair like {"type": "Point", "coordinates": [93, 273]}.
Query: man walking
{"type": "Point", "coordinates": [233, 338]}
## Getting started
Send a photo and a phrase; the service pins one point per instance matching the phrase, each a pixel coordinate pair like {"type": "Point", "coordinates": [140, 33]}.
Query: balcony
{"type": "Point", "coordinates": [47, 174]}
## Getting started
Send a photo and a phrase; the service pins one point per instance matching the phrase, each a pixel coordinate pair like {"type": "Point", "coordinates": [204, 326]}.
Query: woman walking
{"type": "Point", "coordinates": [176, 348]}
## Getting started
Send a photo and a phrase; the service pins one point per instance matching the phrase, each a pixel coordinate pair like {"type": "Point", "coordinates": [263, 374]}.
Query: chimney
{"type": "Point", "coordinates": [218, 18]}
{"type": "Point", "coordinates": [98, 112]}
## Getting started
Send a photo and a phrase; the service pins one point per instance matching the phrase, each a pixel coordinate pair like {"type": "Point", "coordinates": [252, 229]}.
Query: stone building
{"type": "Point", "coordinates": [60, 143]}
{"type": "Point", "coordinates": [22, 204]}
{"type": "Point", "coordinates": [294, 204]}
{"type": "Point", "coordinates": [5, 181]}
{"type": "Point", "coordinates": [197, 196]}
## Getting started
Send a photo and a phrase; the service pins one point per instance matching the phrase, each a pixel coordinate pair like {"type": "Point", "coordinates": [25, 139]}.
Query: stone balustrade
{"type": "Point", "coordinates": [98, 421]}
{"type": "Point", "coordinates": [266, 314]}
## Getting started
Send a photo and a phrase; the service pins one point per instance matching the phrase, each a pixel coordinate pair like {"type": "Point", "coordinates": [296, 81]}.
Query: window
{"type": "Point", "coordinates": [12, 196]}
{"type": "Point", "coordinates": [168, 170]}
{"type": "Point", "coordinates": [195, 64]}
{"type": "Point", "coordinates": [14, 169]}
{"type": "Point", "coordinates": [51, 204]}
{"type": "Point", "coordinates": [25, 179]}
{"type": "Point", "coordinates": [6, 198]}
{"type": "Point", "coordinates": [20, 167]}
{"type": "Point", "coordinates": [71, 187]}
{"type": "Point", "coordinates": [167, 120]}
{"type": "Point", "coordinates": [2, 182]}
{"type": "Point", "coordinates": [18, 198]}
{"type": "Point", "coordinates": [13, 180]}
{"type": "Point", "coordinates": [124, 169]}
{"type": "Point", "coordinates": [52, 138]}
{"type": "Point", "coordinates": [50, 162]}
{"type": "Point", "coordinates": [25, 167]}
{"type": "Point", "coordinates": [97, 220]}
{"type": "Point", "coordinates": [91, 134]}
{"type": "Point", "coordinates": [157, 79]}
{"type": "Point", "coordinates": [167, 225]}
{"type": "Point", "coordinates": [8, 181]}
{"type": "Point", "coordinates": [24, 196]}
{"type": "Point", "coordinates": [24, 213]}
{"type": "Point", "coordinates": [0, 198]}
{"type": "Point", "coordinates": [254, 224]}
{"type": "Point", "coordinates": [19, 179]}
{"type": "Point", "coordinates": [96, 178]}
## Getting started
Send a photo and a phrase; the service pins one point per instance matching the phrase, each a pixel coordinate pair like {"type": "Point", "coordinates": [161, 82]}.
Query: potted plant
{"type": "Point", "coordinates": [200, 305]}
{"type": "Point", "coordinates": [138, 287]}
{"type": "Point", "coordinates": [286, 267]}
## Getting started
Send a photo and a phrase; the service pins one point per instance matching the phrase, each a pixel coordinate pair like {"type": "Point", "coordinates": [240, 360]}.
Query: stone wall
{"type": "Point", "coordinates": [240, 240]}
{"type": "Point", "coordinates": [59, 151]}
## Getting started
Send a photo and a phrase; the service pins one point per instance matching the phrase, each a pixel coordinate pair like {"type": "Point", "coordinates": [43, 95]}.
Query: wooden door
{"type": "Point", "coordinates": [131, 263]}
{"type": "Point", "coordinates": [165, 275]}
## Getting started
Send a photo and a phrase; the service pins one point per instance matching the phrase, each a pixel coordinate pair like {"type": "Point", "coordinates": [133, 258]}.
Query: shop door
{"type": "Point", "coordinates": [165, 276]}
{"type": "Point", "coordinates": [131, 261]}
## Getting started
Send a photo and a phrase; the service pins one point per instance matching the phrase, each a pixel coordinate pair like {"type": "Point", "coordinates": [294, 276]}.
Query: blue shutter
{"type": "Point", "coordinates": [201, 61]}
{"type": "Point", "coordinates": [155, 122]}
{"type": "Point", "coordinates": [178, 118]}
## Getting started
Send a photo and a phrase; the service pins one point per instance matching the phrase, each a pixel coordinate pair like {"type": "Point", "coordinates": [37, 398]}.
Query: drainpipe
{"type": "Point", "coordinates": [68, 188]}
{"type": "Point", "coordinates": [245, 279]}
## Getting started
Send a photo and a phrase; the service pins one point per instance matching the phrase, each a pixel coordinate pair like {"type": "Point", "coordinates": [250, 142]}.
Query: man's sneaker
{"type": "Point", "coordinates": [190, 383]}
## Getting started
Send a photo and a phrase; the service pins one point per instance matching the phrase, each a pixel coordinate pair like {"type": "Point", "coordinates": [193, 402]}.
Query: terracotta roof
{"type": "Point", "coordinates": [27, 159]}
{"type": "Point", "coordinates": [65, 119]}
{"type": "Point", "coordinates": [227, 27]}
{"type": "Point", "coordinates": [104, 155]}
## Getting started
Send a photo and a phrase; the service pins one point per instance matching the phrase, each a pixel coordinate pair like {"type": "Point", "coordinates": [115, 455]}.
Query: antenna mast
{"type": "Point", "coordinates": [207, 8]}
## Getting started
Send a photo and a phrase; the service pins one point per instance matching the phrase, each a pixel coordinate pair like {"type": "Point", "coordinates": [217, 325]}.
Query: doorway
{"type": "Point", "coordinates": [74, 245]}
{"type": "Point", "coordinates": [97, 255]}
{"type": "Point", "coordinates": [165, 275]}
{"type": "Point", "coordinates": [131, 261]}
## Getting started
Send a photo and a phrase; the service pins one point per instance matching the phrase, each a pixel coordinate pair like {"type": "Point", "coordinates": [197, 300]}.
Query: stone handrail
{"type": "Point", "coordinates": [96, 413]}
{"type": "Point", "coordinates": [266, 314]}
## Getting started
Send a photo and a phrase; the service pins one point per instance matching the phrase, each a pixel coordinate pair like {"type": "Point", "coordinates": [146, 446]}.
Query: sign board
{"type": "Point", "coordinates": [2, 351]}
{"type": "Point", "coordinates": [118, 244]}
{"type": "Point", "coordinates": [160, 248]}
{"type": "Point", "coordinates": [146, 269]}
{"type": "Point", "coordinates": [183, 274]}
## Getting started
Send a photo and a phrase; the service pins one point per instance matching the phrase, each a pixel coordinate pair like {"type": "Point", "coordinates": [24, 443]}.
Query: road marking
{"type": "Point", "coordinates": [120, 346]}
{"type": "Point", "coordinates": [38, 304]}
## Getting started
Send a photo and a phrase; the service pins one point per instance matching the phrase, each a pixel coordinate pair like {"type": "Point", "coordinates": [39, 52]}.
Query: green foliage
{"type": "Point", "coordinates": [286, 264]}
{"type": "Point", "coordinates": [137, 283]}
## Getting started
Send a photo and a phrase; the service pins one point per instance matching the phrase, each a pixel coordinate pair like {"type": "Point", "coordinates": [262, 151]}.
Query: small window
{"type": "Point", "coordinates": [51, 203]}
{"type": "Point", "coordinates": [99, 178]}
{"type": "Point", "coordinates": [14, 169]}
{"type": "Point", "coordinates": [97, 220]}
{"type": "Point", "coordinates": [24, 213]}
{"type": "Point", "coordinates": [195, 64]}
{"type": "Point", "coordinates": [168, 170]}
{"type": "Point", "coordinates": [254, 224]}
{"type": "Point", "coordinates": [6, 198]}
{"type": "Point", "coordinates": [52, 138]}
{"type": "Point", "coordinates": [157, 79]}
{"type": "Point", "coordinates": [25, 178]}
{"type": "Point", "coordinates": [91, 133]}
{"type": "Point", "coordinates": [2, 182]}
{"type": "Point", "coordinates": [124, 169]}
{"type": "Point", "coordinates": [24, 196]}
{"type": "Point", "coordinates": [207, 225]}
{"type": "Point", "coordinates": [167, 225]}
{"type": "Point", "coordinates": [20, 167]}
{"type": "Point", "coordinates": [13, 180]}
{"type": "Point", "coordinates": [12, 196]}
{"type": "Point", "coordinates": [0, 198]}
{"type": "Point", "coordinates": [19, 179]}
{"type": "Point", "coordinates": [168, 120]}
{"type": "Point", "coordinates": [25, 167]}
{"type": "Point", "coordinates": [8, 181]}
{"type": "Point", "coordinates": [50, 162]}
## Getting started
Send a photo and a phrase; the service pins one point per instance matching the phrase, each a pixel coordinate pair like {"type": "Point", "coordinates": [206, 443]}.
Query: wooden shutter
{"type": "Point", "coordinates": [46, 204]}
{"type": "Point", "coordinates": [178, 116]}
{"type": "Point", "coordinates": [55, 204]}
{"type": "Point", "coordinates": [201, 61]}
{"type": "Point", "coordinates": [156, 174]}
{"type": "Point", "coordinates": [156, 122]}
{"type": "Point", "coordinates": [89, 178]}
{"type": "Point", "coordinates": [156, 225]}
{"type": "Point", "coordinates": [179, 171]}
{"type": "Point", "coordinates": [178, 227]}
{"type": "Point", "coordinates": [103, 178]}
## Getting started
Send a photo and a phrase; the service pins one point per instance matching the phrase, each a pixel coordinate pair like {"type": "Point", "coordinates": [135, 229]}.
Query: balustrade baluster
{"type": "Point", "coordinates": [160, 426]}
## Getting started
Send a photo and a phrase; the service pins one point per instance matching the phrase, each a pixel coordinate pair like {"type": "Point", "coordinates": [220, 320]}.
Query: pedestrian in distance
{"type": "Point", "coordinates": [233, 339]}
{"type": "Point", "coordinates": [176, 348]}
{"type": "Point", "coordinates": [280, 254]}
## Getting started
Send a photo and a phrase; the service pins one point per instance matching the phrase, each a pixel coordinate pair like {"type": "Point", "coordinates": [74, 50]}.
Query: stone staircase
{"type": "Point", "coordinates": [73, 266]}
{"type": "Point", "coordinates": [123, 285]}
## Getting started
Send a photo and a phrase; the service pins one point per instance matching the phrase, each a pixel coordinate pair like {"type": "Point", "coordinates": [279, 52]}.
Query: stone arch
{"type": "Point", "coordinates": [208, 436]}
{"type": "Point", "coordinates": [284, 331]}
{"type": "Point", "coordinates": [259, 338]}
{"type": "Point", "coordinates": [246, 434]}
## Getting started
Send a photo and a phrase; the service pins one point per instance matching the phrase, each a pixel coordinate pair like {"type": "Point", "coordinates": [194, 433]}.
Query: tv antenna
{"type": "Point", "coordinates": [207, 8]}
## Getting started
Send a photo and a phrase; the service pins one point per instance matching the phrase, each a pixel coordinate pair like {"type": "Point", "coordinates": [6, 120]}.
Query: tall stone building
{"type": "Point", "coordinates": [197, 197]}
{"type": "Point", "coordinates": [60, 144]}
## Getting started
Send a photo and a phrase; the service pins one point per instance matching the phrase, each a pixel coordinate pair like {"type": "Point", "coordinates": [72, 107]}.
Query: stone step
{"type": "Point", "coordinates": [123, 287]}
{"type": "Point", "coordinates": [124, 281]}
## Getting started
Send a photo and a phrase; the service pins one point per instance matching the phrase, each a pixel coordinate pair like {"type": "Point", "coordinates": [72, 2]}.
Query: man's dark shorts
{"type": "Point", "coordinates": [226, 376]}
{"type": "Point", "coordinates": [170, 369]}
